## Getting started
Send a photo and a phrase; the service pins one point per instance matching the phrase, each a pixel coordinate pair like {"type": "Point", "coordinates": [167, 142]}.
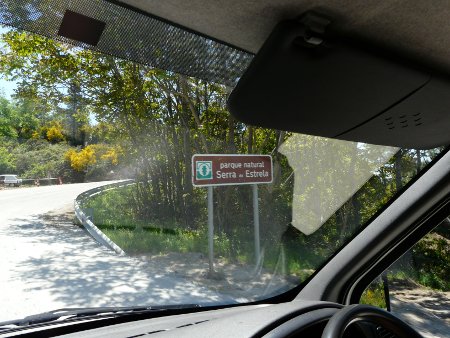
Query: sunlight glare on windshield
{"type": "Point", "coordinates": [327, 173]}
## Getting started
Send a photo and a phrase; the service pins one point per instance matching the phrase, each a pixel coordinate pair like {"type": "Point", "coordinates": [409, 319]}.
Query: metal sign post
{"type": "Point", "coordinates": [211, 229]}
{"type": "Point", "coordinates": [256, 223]}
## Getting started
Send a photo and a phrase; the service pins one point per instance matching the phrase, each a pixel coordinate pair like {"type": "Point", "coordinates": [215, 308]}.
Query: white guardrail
{"type": "Point", "coordinates": [95, 232]}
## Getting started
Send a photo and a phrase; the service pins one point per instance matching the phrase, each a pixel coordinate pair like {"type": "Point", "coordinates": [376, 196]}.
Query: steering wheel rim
{"type": "Point", "coordinates": [342, 319]}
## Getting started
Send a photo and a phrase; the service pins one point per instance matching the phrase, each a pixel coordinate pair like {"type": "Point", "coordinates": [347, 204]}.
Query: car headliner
{"type": "Point", "coordinates": [418, 29]}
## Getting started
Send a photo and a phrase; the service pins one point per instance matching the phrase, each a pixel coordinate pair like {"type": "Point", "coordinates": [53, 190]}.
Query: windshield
{"type": "Point", "coordinates": [115, 189]}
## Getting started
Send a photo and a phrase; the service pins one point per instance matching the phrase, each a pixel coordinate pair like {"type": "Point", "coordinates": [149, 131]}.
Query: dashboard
{"type": "Point", "coordinates": [296, 318]}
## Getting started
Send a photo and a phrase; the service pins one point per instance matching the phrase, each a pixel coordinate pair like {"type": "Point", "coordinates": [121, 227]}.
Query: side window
{"type": "Point", "coordinates": [416, 287]}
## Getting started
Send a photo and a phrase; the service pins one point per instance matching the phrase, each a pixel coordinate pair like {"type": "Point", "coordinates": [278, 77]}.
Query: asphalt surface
{"type": "Point", "coordinates": [427, 310]}
{"type": "Point", "coordinates": [46, 262]}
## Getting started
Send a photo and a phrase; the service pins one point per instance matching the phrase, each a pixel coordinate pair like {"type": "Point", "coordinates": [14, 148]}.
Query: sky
{"type": "Point", "coordinates": [7, 88]}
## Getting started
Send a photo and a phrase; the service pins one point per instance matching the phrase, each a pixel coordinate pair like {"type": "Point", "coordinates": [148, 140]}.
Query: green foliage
{"type": "Point", "coordinates": [374, 295]}
{"type": "Point", "coordinates": [144, 242]}
{"type": "Point", "coordinates": [7, 159]}
{"type": "Point", "coordinates": [432, 261]}
{"type": "Point", "coordinates": [40, 159]}
{"type": "Point", "coordinates": [112, 208]}
{"type": "Point", "coordinates": [8, 119]}
{"type": "Point", "coordinates": [427, 263]}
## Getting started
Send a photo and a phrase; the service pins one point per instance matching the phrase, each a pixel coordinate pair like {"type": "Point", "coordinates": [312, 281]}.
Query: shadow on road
{"type": "Point", "coordinates": [435, 302]}
{"type": "Point", "coordinates": [425, 309]}
{"type": "Point", "coordinates": [63, 263]}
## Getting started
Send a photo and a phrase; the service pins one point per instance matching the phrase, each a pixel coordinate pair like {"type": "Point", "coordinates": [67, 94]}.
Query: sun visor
{"type": "Point", "coordinates": [113, 28]}
{"type": "Point", "coordinates": [309, 81]}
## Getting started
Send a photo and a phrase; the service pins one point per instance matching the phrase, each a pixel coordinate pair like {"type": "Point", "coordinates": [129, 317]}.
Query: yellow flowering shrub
{"type": "Point", "coordinates": [91, 154]}
{"type": "Point", "coordinates": [82, 159]}
{"type": "Point", "coordinates": [54, 133]}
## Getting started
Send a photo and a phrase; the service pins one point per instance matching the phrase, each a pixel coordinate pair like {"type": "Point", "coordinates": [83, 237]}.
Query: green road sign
{"type": "Point", "coordinates": [204, 170]}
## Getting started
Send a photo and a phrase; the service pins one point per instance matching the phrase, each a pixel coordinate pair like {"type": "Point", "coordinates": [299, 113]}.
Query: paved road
{"type": "Point", "coordinates": [428, 311]}
{"type": "Point", "coordinates": [47, 263]}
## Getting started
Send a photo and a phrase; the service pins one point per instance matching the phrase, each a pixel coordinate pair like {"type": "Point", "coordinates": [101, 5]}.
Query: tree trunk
{"type": "Point", "coordinates": [250, 140]}
{"type": "Point", "coordinates": [418, 161]}
{"type": "Point", "coordinates": [398, 170]}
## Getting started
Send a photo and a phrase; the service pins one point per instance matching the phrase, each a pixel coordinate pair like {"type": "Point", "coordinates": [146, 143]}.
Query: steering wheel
{"type": "Point", "coordinates": [343, 318]}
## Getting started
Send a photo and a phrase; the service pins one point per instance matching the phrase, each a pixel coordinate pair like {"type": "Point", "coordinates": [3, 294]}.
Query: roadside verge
{"type": "Point", "coordinates": [85, 220]}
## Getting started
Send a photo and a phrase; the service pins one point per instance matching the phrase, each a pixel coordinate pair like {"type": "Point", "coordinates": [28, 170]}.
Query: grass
{"type": "Point", "coordinates": [111, 213]}
{"type": "Point", "coordinates": [150, 240]}
{"type": "Point", "coordinates": [156, 241]}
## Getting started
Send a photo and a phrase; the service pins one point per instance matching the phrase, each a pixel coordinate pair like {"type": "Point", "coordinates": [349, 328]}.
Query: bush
{"type": "Point", "coordinates": [39, 158]}
{"type": "Point", "coordinates": [431, 256]}
{"type": "Point", "coordinates": [374, 295]}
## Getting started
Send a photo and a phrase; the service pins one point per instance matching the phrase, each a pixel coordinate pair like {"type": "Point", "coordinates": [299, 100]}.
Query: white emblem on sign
{"type": "Point", "coordinates": [204, 170]}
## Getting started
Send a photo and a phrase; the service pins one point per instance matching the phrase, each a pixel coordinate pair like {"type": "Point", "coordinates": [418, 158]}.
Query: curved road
{"type": "Point", "coordinates": [47, 263]}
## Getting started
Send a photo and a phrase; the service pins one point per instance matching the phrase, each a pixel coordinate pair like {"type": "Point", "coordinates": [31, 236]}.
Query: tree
{"type": "Point", "coordinates": [8, 119]}
{"type": "Point", "coordinates": [7, 160]}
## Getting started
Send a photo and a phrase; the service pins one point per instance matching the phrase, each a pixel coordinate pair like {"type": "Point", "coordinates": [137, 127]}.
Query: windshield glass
{"type": "Point", "coordinates": [108, 197]}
